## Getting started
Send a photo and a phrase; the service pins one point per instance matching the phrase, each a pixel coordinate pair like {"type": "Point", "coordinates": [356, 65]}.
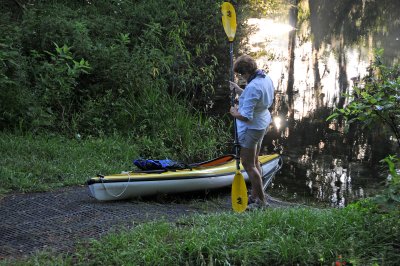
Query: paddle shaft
{"type": "Point", "coordinates": [233, 95]}
{"type": "Point", "coordinates": [239, 189]}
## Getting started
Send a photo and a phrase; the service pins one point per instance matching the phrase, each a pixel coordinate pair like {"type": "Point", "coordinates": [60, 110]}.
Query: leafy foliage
{"type": "Point", "coordinates": [352, 18]}
{"type": "Point", "coordinates": [390, 197]}
{"type": "Point", "coordinates": [55, 85]}
{"type": "Point", "coordinates": [266, 7]}
{"type": "Point", "coordinates": [376, 103]}
{"type": "Point", "coordinates": [15, 96]}
{"type": "Point", "coordinates": [139, 68]}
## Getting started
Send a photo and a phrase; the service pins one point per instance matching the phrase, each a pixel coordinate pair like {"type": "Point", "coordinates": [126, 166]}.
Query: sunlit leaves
{"type": "Point", "coordinates": [375, 103]}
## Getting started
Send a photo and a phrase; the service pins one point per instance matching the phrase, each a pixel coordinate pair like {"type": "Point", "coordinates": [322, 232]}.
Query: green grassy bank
{"type": "Point", "coordinates": [41, 162]}
{"type": "Point", "coordinates": [361, 234]}
{"type": "Point", "coordinates": [291, 236]}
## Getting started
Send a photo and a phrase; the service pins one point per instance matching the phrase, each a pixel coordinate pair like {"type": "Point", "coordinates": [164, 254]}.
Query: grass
{"type": "Point", "coordinates": [281, 236]}
{"type": "Point", "coordinates": [287, 236]}
{"type": "Point", "coordinates": [31, 163]}
{"type": "Point", "coordinates": [39, 163]}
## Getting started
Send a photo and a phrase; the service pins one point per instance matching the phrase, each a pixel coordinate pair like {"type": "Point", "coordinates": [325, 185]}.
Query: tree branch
{"type": "Point", "coordinates": [20, 4]}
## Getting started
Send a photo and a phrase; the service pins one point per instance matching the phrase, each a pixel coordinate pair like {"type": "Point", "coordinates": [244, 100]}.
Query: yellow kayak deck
{"type": "Point", "coordinates": [219, 166]}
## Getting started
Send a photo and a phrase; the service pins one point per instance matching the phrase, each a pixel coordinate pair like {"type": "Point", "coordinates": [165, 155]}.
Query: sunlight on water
{"type": "Point", "coordinates": [266, 29]}
{"type": "Point", "coordinates": [311, 68]}
{"type": "Point", "coordinates": [274, 37]}
{"type": "Point", "coordinates": [277, 122]}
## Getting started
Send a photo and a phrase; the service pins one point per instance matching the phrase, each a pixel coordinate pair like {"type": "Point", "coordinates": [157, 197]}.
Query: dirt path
{"type": "Point", "coordinates": [58, 220]}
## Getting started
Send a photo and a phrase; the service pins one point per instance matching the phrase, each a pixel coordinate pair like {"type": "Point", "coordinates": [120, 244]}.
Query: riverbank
{"type": "Point", "coordinates": [48, 217]}
{"type": "Point", "coordinates": [67, 227]}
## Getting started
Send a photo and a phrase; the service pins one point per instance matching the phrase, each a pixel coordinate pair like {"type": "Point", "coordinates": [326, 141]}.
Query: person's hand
{"type": "Point", "coordinates": [233, 111]}
{"type": "Point", "coordinates": [234, 86]}
{"type": "Point", "coordinates": [236, 114]}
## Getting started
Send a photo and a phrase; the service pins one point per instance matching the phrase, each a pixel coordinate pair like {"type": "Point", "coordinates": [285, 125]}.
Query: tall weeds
{"type": "Point", "coordinates": [138, 69]}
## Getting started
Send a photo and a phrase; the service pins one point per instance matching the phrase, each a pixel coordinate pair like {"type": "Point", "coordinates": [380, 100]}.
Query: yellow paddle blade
{"type": "Point", "coordinates": [229, 20]}
{"type": "Point", "coordinates": [239, 193]}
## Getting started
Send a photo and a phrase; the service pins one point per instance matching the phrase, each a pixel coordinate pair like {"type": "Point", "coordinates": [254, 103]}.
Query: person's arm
{"type": "Point", "coordinates": [248, 104]}
{"type": "Point", "coordinates": [235, 113]}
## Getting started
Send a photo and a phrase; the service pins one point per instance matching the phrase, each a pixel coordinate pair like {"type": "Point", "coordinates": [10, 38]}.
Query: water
{"type": "Point", "coordinates": [313, 61]}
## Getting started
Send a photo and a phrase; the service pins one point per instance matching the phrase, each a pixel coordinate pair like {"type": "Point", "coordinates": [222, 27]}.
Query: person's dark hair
{"type": "Point", "coordinates": [245, 64]}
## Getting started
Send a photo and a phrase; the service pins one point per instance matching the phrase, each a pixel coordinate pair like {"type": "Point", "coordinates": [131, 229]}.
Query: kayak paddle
{"type": "Point", "coordinates": [239, 189]}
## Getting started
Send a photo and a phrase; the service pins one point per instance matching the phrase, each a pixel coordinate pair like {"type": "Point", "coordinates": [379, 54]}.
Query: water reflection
{"type": "Point", "coordinates": [317, 52]}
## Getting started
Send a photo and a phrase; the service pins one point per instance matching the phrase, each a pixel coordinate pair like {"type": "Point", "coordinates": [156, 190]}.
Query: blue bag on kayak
{"type": "Point", "coordinates": [150, 164]}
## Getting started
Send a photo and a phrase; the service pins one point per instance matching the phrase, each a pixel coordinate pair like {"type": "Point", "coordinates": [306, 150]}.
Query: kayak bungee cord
{"type": "Point", "coordinates": [123, 191]}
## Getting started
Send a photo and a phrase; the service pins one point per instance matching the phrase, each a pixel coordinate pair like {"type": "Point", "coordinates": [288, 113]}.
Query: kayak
{"type": "Point", "coordinates": [212, 174]}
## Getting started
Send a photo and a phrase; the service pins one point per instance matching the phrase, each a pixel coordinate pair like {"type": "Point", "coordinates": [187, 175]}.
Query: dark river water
{"type": "Point", "coordinates": [314, 53]}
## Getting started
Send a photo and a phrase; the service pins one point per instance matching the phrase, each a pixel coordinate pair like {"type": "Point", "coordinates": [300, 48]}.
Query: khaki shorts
{"type": "Point", "coordinates": [251, 138]}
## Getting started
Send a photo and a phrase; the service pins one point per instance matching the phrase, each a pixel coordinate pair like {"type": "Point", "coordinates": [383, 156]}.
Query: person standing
{"type": "Point", "coordinates": [252, 120]}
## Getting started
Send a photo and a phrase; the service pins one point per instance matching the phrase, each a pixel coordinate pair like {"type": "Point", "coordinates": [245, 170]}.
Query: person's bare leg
{"type": "Point", "coordinates": [256, 161]}
{"type": "Point", "coordinates": [248, 161]}
{"type": "Point", "coordinates": [258, 165]}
